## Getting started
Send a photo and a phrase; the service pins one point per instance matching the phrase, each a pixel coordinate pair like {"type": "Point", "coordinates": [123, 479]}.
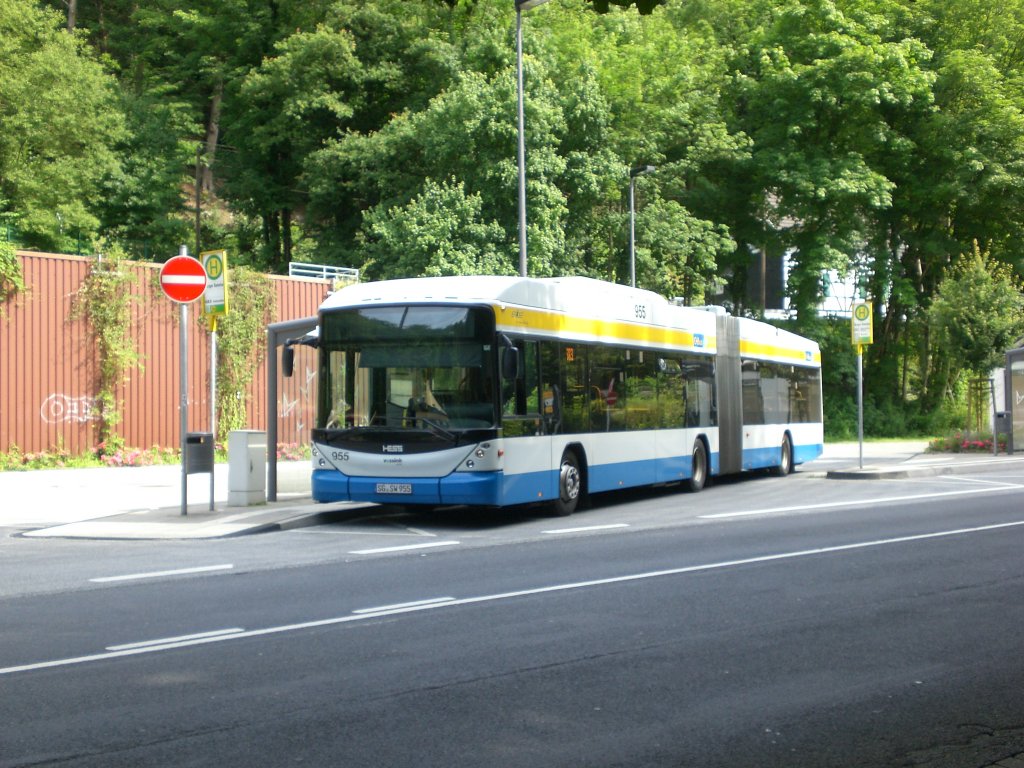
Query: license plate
{"type": "Point", "coordinates": [394, 487]}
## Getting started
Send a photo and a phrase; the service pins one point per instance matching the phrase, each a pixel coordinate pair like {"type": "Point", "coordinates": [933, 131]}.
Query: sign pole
{"type": "Point", "coordinates": [861, 333]}
{"type": "Point", "coordinates": [183, 398]}
{"type": "Point", "coordinates": [183, 280]}
{"type": "Point", "coordinates": [213, 394]}
{"type": "Point", "coordinates": [860, 403]}
{"type": "Point", "coordinates": [215, 301]}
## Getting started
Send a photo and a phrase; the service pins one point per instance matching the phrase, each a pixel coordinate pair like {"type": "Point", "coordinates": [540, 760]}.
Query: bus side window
{"type": "Point", "coordinates": [550, 385]}
{"type": "Point", "coordinates": [531, 377]}
{"type": "Point", "coordinates": [521, 397]}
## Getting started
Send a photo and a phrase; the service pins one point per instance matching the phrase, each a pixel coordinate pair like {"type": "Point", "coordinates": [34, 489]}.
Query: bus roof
{"type": "Point", "coordinates": [540, 292]}
{"type": "Point", "coordinates": [584, 309]}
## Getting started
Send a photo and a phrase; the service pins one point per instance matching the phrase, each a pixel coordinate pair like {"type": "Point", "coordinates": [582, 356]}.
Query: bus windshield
{"type": "Point", "coordinates": [407, 367]}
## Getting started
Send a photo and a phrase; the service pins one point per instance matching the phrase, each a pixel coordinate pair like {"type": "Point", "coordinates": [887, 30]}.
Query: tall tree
{"type": "Point", "coordinates": [59, 123]}
{"type": "Point", "coordinates": [978, 314]}
{"type": "Point", "coordinates": [819, 93]}
{"type": "Point", "coordinates": [443, 231]}
{"type": "Point", "coordinates": [957, 175]}
{"type": "Point", "coordinates": [353, 72]}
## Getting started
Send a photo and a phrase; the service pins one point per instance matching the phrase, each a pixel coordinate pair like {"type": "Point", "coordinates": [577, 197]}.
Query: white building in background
{"type": "Point", "coordinates": [767, 279]}
{"type": "Point", "coordinates": [840, 293]}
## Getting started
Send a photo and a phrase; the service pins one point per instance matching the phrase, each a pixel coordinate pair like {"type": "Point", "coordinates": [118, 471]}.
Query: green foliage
{"type": "Point", "coordinates": [59, 124]}
{"type": "Point", "coordinates": [884, 415]}
{"type": "Point", "coordinates": [822, 93]}
{"type": "Point", "coordinates": [884, 136]}
{"type": "Point", "coordinates": [143, 206]}
{"type": "Point", "coordinates": [679, 254]}
{"type": "Point", "coordinates": [105, 300]}
{"type": "Point", "coordinates": [957, 442]}
{"type": "Point", "coordinates": [239, 347]}
{"type": "Point", "coordinates": [977, 314]}
{"type": "Point", "coordinates": [441, 232]}
{"type": "Point", "coordinates": [11, 280]}
{"type": "Point", "coordinates": [58, 458]}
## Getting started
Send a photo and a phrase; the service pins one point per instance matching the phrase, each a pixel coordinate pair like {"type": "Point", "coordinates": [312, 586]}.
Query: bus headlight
{"type": "Point", "coordinates": [486, 457]}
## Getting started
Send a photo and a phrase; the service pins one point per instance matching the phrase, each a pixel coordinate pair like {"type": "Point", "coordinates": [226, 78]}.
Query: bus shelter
{"type": "Point", "coordinates": [277, 335]}
{"type": "Point", "coordinates": [1015, 398]}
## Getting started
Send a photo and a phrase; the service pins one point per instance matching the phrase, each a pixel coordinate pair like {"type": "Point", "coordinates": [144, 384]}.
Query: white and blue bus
{"type": "Point", "coordinates": [498, 391]}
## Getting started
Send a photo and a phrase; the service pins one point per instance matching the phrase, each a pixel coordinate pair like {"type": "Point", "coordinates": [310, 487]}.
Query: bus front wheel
{"type": "Point", "coordinates": [570, 484]}
{"type": "Point", "coordinates": [699, 468]}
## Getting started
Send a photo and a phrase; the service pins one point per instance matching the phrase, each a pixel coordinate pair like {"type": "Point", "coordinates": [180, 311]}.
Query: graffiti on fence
{"type": "Point", "coordinates": [61, 409]}
{"type": "Point", "coordinates": [298, 405]}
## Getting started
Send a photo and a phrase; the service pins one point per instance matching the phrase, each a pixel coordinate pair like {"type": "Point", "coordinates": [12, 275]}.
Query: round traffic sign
{"type": "Point", "coordinates": [183, 279]}
{"type": "Point", "coordinates": [214, 266]}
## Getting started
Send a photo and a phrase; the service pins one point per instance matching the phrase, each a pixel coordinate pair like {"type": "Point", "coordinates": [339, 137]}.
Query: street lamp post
{"type": "Point", "coordinates": [522, 5]}
{"type": "Point", "coordinates": [633, 173]}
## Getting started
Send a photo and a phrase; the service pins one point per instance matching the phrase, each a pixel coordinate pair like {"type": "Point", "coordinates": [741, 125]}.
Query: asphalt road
{"type": "Point", "coordinates": [777, 622]}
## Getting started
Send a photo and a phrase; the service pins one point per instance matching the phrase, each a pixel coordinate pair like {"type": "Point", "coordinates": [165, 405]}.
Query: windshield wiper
{"type": "Point", "coordinates": [437, 429]}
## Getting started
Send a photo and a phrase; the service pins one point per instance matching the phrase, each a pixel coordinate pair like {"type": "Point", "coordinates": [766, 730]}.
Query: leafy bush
{"type": "Point", "coordinates": [957, 442]}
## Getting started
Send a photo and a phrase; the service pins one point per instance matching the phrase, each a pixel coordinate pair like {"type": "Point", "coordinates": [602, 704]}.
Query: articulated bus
{"type": "Point", "coordinates": [498, 391]}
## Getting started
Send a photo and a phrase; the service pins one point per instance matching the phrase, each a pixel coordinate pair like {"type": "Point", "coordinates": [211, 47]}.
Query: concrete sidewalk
{"type": "Point", "coordinates": [898, 459]}
{"type": "Point", "coordinates": [145, 502]}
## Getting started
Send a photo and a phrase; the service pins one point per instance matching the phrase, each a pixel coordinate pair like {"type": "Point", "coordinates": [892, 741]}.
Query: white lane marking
{"type": "Point", "coordinates": [350, 532]}
{"type": "Point", "coordinates": [159, 574]}
{"type": "Point", "coordinates": [405, 548]}
{"type": "Point", "coordinates": [182, 638]}
{"type": "Point", "coordinates": [588, 528]}
{"type": "Point", "coordinates": [858, 503]}
{"type": "Point", "coordinates": [398, 606]}
{"type": "Point", "coordinates": [430, 605]}
{"type": "Point", "coordinates": [980, 481]}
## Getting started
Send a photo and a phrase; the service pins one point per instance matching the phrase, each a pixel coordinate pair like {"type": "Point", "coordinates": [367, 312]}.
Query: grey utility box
{"type": "Point", "coordinates": [247, 468]}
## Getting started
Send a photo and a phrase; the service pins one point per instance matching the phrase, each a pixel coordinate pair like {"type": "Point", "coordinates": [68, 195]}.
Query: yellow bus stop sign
{"type": "Point", "coordinates": [861, 327]}
{"type": "Point", "coordinates": [216, 297]}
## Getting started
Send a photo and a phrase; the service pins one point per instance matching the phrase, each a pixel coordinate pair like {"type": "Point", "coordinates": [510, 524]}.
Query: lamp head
{"type": "Point", "coordinates": [641, 169]}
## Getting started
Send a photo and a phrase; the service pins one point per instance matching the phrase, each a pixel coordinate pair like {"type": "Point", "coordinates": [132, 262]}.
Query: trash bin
{"type": "Point", "coordinates": [1003, 426]}
{"type": "Point", "coordinates": [247, 467]}
{"type": "Point", "coordinates": [198, 452]}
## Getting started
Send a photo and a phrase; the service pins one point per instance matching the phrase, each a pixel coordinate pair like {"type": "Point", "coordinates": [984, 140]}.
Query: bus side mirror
{"type": "Point", "coordinates": [510, 364]}
{"type": "Point", "coordinates": [288, 352]}
{"type": "Point", "coordinates": [287, 360]}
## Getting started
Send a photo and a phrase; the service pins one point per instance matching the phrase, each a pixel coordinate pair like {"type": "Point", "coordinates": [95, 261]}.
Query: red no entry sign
{"type": "Point", "coordinates": [183, 279]}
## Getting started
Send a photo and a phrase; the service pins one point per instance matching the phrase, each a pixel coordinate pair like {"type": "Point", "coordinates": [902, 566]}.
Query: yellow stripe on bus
{"type": "Point", "coordinates": [775, 352]}
{"type": "Point", "coordinates": [554, 323]}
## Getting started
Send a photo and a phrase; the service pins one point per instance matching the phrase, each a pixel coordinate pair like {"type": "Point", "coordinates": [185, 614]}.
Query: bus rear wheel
{"type": "Point", "coordinates": [785, 465]}
{"type": "Point", "coordinates": [699, 468]}
{"type": "Point", "coordinates": [570, 485]}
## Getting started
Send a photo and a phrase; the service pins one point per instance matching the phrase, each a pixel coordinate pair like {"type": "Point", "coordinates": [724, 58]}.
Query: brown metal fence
{"type": "Point", "coordinates": [49, 373]}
